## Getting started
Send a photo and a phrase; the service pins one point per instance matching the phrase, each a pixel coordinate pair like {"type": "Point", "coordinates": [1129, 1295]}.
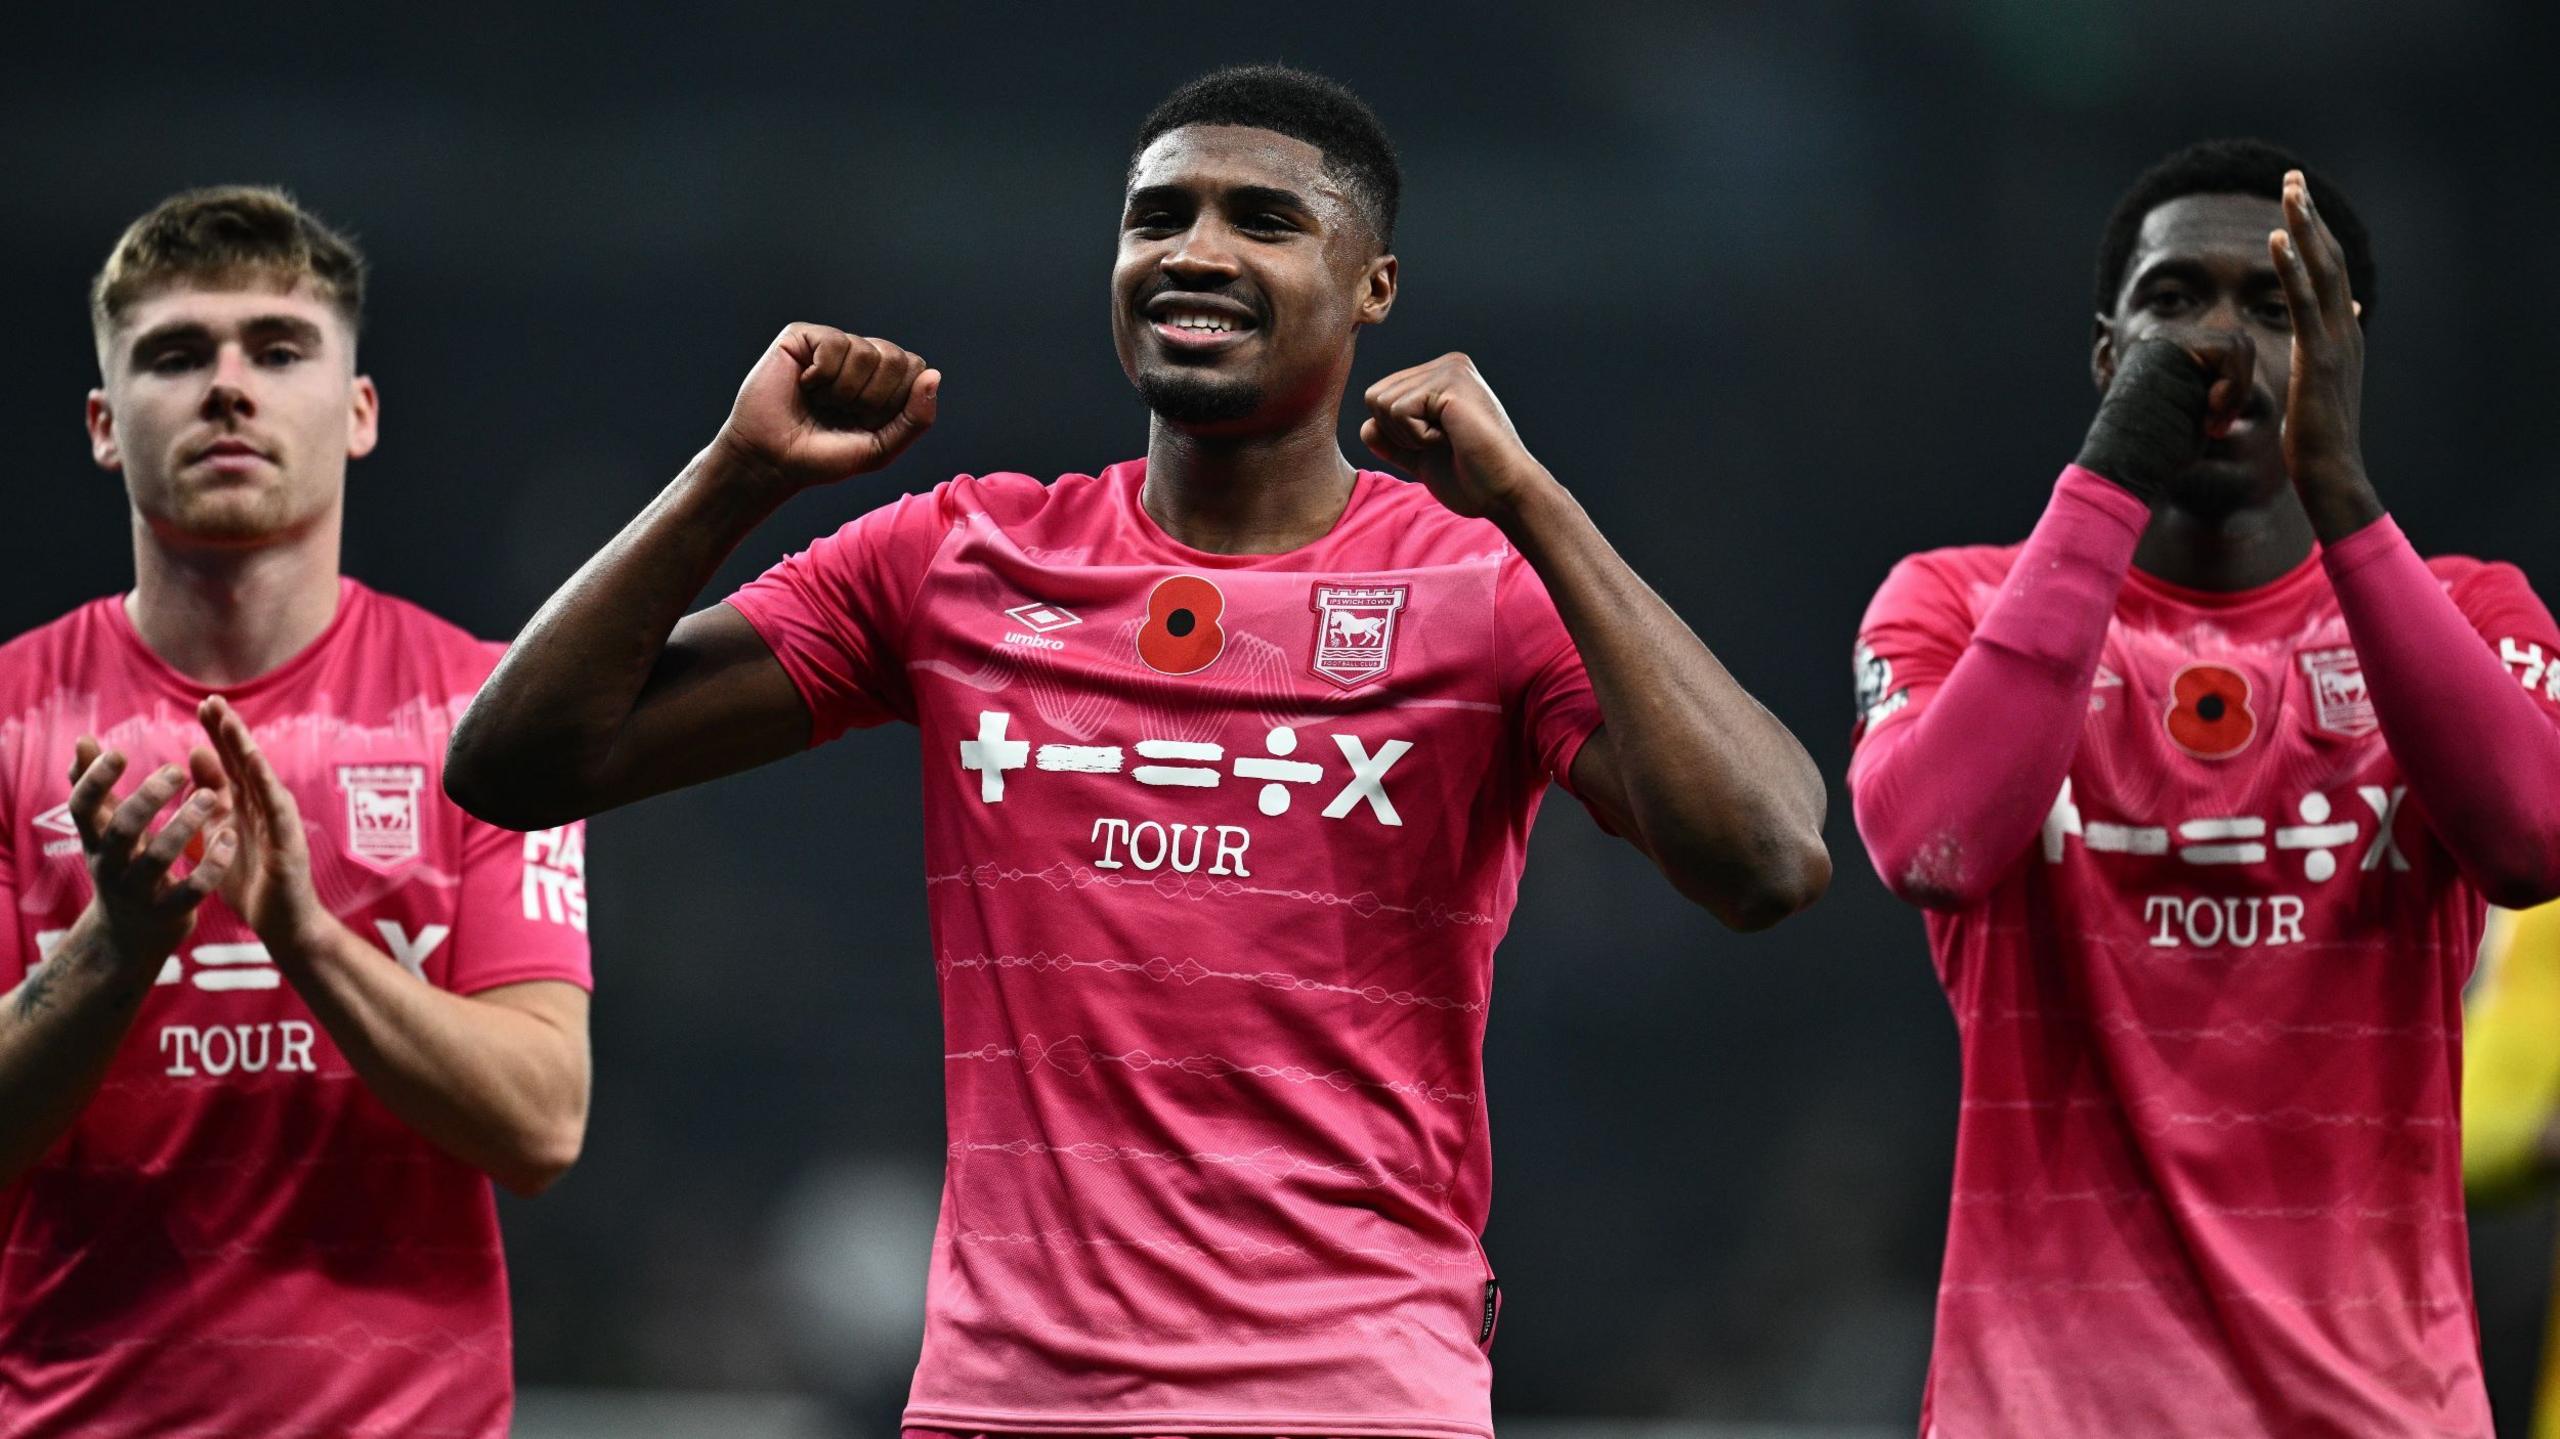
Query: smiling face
{"type": "Point", "coordinates": [1243, 278]}
{"type": "Point", "coordinates": [2200, 265]}
{"type": "Point", "coordinates": [232, 412]}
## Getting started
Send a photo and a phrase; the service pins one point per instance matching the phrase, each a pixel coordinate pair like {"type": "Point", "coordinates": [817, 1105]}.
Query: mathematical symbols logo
{"type": "Point", "coordinates": [1040, 619]}
{"type": "Point", "coordinates": [2339, 701]}
{"type": "Point", "coordinates": [1355, 631]}
{"type": "Point", "coordinates": [382, 811]}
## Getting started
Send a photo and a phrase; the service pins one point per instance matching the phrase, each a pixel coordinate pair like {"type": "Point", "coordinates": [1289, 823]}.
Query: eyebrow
{"type": "Point", "coordinates": [1241, 196]}
{"type": "Point", "coordinates": [257, 327]}
{"type": "Point", "coordinates": [2190, 267]}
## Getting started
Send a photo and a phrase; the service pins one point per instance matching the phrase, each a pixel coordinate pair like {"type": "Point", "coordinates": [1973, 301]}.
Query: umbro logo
{"type": "Point", "coordinates": [57, 820]}
{"type": "Point", "coordinates": [1041, 618]}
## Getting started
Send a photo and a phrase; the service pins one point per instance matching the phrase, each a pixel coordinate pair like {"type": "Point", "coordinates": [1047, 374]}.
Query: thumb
{"type": "Point", "coordinates": [923, 407]}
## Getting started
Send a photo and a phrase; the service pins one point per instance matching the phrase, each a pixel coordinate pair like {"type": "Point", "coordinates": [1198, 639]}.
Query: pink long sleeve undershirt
{"type": "Point", "coordinates": [1949, 798]}
{"type": "Point", "coordinates": [2482, 758]}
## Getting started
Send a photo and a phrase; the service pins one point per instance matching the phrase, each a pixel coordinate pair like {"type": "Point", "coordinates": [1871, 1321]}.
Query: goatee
{"type": "Point", "coordinates": [1188, 399]}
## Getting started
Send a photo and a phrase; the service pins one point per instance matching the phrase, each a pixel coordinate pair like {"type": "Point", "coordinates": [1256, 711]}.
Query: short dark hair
{"type": "Point", "coordinates": [2230, 167]}
{"type": "Point", "coordinates": [1357, 153]}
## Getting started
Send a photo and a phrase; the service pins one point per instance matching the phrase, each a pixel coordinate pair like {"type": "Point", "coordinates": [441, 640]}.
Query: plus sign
{"type": "Point", "coordinates": [991, 754]}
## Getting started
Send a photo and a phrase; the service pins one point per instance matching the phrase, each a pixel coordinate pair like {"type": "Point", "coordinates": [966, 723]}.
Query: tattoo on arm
{"type": "Point", "coordinates": [34, 993]}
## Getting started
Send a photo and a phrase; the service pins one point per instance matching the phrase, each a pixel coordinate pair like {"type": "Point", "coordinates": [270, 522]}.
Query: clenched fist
{"type": "Point", "coordinates": [823, 404]}
{"type": "Point", "coordinates": [2168, 397]}
{"type": "Point", "coordinates": [1441, 423]}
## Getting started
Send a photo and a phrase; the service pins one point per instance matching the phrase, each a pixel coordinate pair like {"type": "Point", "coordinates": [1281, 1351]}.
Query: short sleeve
{"type": "Point", "coordinates": [836, 613]}
{"type": "Point", "coordinates": [1915, 629]}
{"type": "Point", "coordinates": [523, 911]}
{"type": "Point", "coordinates": [2502, 606]}
{"type": "Point", "coordinates": [1546, 693]}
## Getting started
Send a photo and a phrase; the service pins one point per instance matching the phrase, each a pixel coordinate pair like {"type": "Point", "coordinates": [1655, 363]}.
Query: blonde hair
{"type": "Point", "coordinates": [224, 236]}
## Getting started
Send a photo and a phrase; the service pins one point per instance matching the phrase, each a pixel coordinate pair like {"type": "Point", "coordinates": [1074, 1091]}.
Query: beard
{"type": "Point", "coordinates": [224, 516]}
{"type": "Point", "coordinates": [2218, 486]}
{"type": "Point", "coordinates": [1184, 398]}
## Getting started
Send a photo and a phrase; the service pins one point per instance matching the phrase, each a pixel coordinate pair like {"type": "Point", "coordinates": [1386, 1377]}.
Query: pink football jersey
{"type": "Point", "coordinates": [2208, 1173]}
{"type": "Point", "coordinates": [1217, 848]}
{"type": "Point", "coordinates": [236, 1237]}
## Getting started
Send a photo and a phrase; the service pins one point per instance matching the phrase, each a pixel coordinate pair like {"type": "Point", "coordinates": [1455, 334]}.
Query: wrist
{"type": "Point", "coordinates": [302, 937]}
{"type": "Point", "coordinates": [2120, 466]}
{"type": "Point", "coordinates": [734, 466]}
{"type": "Point", "coordinates": [2339, 499]}
{"type": "Point", "coordinates": [1528, 502]}
{"type": "Point", "coordinates": [96, 933]}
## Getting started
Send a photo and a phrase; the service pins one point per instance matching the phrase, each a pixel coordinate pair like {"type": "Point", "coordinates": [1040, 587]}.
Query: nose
{"type": "Point", "coordinates": [227, 395]}
{"type": "Point", "coordinates": [1203, 259]}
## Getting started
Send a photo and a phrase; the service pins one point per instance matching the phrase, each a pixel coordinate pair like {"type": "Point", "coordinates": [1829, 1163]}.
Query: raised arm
{"type": "Point", "coordinates": [2481, 752]}
{"type": "Point", "coordinates": [60, 1027]}
{"type": "Point", "coordinates": [612, 693]}
{"type": "Point", "coordinates": [497, 1079]}
{"type": "Point", "coordinates": [1952, 783]}
{"type": "Point", "coordinates": [1687, 765]}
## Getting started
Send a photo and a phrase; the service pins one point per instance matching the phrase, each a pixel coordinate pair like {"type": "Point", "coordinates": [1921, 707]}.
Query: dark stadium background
{"type": "Point", "coordinates": [1783, 291]}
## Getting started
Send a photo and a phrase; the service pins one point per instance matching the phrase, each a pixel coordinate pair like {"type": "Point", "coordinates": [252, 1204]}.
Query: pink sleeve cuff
{"type": "Point", "coordinates": [2380, 538]}
{"type": "Point", "coordinates": [2106, 496]}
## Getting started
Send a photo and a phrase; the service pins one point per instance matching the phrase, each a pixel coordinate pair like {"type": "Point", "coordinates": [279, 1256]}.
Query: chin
{"type": "Point", "coordinates": [1189, 398]}
{"type": "Point", "coordinates": [227, 521]}
{"type": "Point", "coordinates": [2213, 489]}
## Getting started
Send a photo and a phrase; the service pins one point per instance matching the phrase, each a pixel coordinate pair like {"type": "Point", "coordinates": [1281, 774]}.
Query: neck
{"type": "Point", "coordinates": [226, 615]}
{"type": "Point", "coordinates": [1250, 494]}
{"type": "Point", "coordinates": [2238, 550]}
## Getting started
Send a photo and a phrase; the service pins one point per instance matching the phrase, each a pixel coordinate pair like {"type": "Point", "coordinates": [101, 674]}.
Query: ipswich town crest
{"type": "Point", "coordinates": [2339, 700]}
{"type": "Point", "coordinates": [382, 811]}
{"type": "Point", "coordinates": [1355, 631]}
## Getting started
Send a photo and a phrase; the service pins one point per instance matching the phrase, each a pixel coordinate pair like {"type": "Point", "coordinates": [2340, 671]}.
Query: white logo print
{"type": "Point", "coordinates": [1355, 631]}
{"type": "Point", "coordinates": [2341, 704]}
{"type": "Point", "coordinates": [382, 811]}
{"type": "Point", "coordinates": [57, 820]}
{"type": "Point", "coordinates": [1041, 619]}
{"type": "Point", "coordinates": [555, 877]}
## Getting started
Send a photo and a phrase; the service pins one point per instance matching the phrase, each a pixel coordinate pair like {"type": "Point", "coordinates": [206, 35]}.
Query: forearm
{"type": "Point", "coordinates": [537, 745]}
{"type": "Point", "coordinates": [500, 1089]}
{"type": "Point", "coordinates": [1718, 792]}
{"type": "Point", "coordinates": [1948, 797]}
{"type": "Point", "coordinates": [59, 1030]}
{"type": "Point", "coordinates": [2482, 758]}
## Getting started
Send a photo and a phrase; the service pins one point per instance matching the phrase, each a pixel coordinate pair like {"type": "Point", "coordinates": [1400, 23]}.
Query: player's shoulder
{"type": "Point", "coordinates": [1399, 524]}
{"type": "Point", "coordinates": [1958, 571]}
{"type": "Point", "coordinates": [50, 653]}
{"type": "Point", "coordinates": [1945, 588]}
{"type": "Point", "coordinates": [397, 631]}
{"type": "Point", "coordinates": [2460, 572]}
{"type": "Point", "coordinates": [1961, 563]}
{"type": "Point", "coordinates": [1005, 496]}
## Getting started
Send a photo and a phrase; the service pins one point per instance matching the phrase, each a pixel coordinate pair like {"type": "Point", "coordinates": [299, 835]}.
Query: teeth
{"type": "Point", "coordinates": [1205, 323]}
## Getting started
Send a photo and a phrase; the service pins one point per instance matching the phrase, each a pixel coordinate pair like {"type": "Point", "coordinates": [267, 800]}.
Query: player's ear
{"type": "Point", "coordinates": [364, 417]}
{"type": "Point", "coordinates": [2102, 351]}
{"type": "Point", "coordinates": [1378, 289]}
{"type": "Point", "coordinates": [102, 433]}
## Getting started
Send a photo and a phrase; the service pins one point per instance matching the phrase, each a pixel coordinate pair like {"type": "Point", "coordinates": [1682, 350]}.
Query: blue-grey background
{"type": "Point", "coordinates": [1783, 290]}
